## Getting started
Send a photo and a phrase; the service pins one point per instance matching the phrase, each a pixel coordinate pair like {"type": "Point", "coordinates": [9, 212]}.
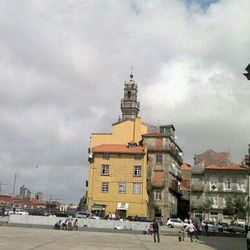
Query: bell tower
{"type": "Point", "coordinates": [129, 105]}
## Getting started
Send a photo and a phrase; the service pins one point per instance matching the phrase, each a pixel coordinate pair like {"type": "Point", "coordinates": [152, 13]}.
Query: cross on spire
{"type": "Point", "coordinates": [131, 74]}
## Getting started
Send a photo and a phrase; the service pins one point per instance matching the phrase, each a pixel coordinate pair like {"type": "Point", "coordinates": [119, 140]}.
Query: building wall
{"type": "Point", "coordinates": [121, 169]}
{"type": "Point", "coordinates": [202, 189]}
{"type": "Point", "coordinates": [122, 133]}
{"type": "Point", "coordinates": [169, 191]}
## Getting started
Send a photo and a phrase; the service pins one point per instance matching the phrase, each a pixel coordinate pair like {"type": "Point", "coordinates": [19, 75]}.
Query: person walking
{"type": "Point", "coordinates": [75, 227]}
{"type": "Point", "coordinates": [156, 230]}
{"type": "Point", "coordinates": [192, 231]}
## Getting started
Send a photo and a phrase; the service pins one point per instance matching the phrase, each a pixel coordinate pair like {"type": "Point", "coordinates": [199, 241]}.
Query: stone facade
{"type": "Point", "coordinates": [215, 178]}
{"type": "Point", "coordinates": [164, 172]}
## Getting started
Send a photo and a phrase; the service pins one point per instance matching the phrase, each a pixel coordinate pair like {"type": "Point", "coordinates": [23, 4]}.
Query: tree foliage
{"type": "Point", "coordinates": [207, 205]}
{"type": "Point", "coordinates": [236, 208]}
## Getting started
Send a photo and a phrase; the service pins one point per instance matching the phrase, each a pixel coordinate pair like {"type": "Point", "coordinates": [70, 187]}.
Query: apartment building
{"type": "Point", "coordinates": [216, 178]}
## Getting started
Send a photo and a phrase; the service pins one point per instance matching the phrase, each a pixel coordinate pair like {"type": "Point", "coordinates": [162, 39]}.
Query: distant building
{"type": "Point", "coordinates": [216, 178]}
{"type": "Point", "coordinates": [39, 195]}
{"type": "Point", "coordinates": [24, 192]}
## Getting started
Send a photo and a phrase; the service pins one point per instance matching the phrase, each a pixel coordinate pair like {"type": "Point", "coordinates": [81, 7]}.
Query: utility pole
{"type": "Point", "coordinates": [14, 185]}
{"type": "Point", "coordinates": [1, 184]}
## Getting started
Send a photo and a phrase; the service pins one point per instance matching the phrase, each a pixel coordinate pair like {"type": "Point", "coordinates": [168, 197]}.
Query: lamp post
{"type": "Point", "coordinates": [247, 161]}
{"type": "Point", "coordinates": [247, 75]}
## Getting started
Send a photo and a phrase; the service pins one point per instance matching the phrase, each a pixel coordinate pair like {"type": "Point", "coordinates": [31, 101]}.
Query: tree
{"type": "Point", "coordinates": [236, 208]}
{"type": "Point", "coordinates": [207, 205]}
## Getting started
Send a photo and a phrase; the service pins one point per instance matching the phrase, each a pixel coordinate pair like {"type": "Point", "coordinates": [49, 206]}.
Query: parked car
{"type": "Point", "coordinates": [18, 211]}
{"type": "Point", "coordinates": [139, 218]}
{"type": "Point", "coordinates": [80, 214]}
{"type": "Point", "coordinates": [176, 223]}
{"type": "Point", "coordinates": [224, 225]}
{"type": "Point", "coordinates": [212, 226]}
{"type": "Point", "coordinates": [65, 214]}
{"type": "Point", "coordinates": [39, 212]}
{"type": "Point", "coordinates": [248, 240]}
{"type": "Point", "coordinates": [237, 228]}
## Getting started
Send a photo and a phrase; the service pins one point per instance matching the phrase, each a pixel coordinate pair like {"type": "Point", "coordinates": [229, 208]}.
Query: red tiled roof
{"type": "Point", "coordinates": [153, 134]}
{"type": "Point", "coordinates": [34, 201]}
{"type": "Point", "coordinates": [118, 148]}
{"type": "Point", "coordinates": [218, 161]}
{"type": "Point", "coordinates": [6, 199]}
{"type": "Point", "coordinates": [158, 178]}
{"type": "Point", "coordinates": [229, 166]}
{"type": "Point", "coordinates": [185, 166]}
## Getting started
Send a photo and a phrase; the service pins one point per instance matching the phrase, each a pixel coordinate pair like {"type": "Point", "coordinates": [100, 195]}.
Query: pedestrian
{"type": "Point", "coordinates": [75, 225]}
{"type": "Point", "coordinates": [151, 230]}
{"type": "Point", "coordinates": [58, 225]}
{"type": "Point", "coordinates": [156, 230]}
{"type": "Point", "coordinates": [70, 223]}
{"type": "Point", "coordinates": [65, 224]}
{"type": "Point", "coordinates": [206, 229]}
{"type": "Point", "coordinates": [179, 236]}
{"type": "Point", "coordinates": [192, 231]}
{"type": "Point", "coordinates": [3, 211]}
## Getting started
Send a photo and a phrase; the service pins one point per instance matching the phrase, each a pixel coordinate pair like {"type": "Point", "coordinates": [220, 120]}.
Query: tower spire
{"type": "Point", "coordinates": [129, 105]}
{"type": "Point", "coordinates": [131, 74]}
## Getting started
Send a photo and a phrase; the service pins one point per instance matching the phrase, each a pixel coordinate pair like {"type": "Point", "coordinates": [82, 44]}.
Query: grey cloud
{"type": "Point", "coordinates": [63, 66]}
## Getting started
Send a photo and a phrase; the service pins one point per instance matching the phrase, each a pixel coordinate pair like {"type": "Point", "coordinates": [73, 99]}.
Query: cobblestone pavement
{"type": "Point", "coordinates": [16, 238]}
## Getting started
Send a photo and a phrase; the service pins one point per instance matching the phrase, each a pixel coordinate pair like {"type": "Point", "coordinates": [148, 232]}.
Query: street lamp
{"type": "Point", "coordinates": [247, 75]}
{"type": "Point", "coordinates": [247, 162]}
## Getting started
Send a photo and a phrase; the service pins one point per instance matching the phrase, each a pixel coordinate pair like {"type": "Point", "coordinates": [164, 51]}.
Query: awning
{"type": "Point", "coordinates": [98, 207]}
{"type": "Point", "coordinates": [122, 206]}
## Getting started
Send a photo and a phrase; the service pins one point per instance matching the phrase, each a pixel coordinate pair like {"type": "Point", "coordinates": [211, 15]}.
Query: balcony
{"type": "Point", "coordinates": [174, 186]}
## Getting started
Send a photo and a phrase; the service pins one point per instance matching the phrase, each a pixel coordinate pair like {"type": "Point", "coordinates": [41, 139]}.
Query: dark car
{"type": "Point", "coordinates": [139, 218]}
{"type": "Point", "coordinates": [39, 212]}
{"type": "Point", "coordinates": [65, 214]}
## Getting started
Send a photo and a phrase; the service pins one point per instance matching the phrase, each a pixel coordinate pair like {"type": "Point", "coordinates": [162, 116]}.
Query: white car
{"type": "Point", "coordinates": [18, 212]}
{"type": "Point", "coordinates": [237, 228]}
{"type": "Point", "coordinates": [176, 223]}
{"type": "Point", "coordinates": [212, 226]}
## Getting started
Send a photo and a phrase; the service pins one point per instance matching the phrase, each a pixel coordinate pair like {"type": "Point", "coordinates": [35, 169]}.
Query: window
{"type": "Point", "coordinates": [158, 194]}
{"type": "Point", "coordinates": [137, 170]}
{"type": "Point", "coordinates": [137, 188]}
{"type": "Point", "coordinates": [106, 156]}
{"type": "Point", "coordinates": [105, 187]}
{"type": "Point", "coordinates": [158, 159]}
{"type": "Point", "coordinates": [122, 187]}
{"type": "Point", "coordinates": [213, 184]}
{"type": "Point", "coordinates": [105, 170]}
{"type": "Point", "coordinates": [241, 184]}
{"type": "Point", "coordinates": [214, 202]}
{"type": "Point", "coordinates": [227, 183]}
{"type": "Point", "coordinates": [138, 157]}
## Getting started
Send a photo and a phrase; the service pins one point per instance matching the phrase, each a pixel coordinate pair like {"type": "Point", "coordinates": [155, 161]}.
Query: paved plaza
{"type": "Point", "coordinates": [17, 238]}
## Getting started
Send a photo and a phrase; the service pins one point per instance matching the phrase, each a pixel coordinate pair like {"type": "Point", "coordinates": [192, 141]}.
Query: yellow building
{"type": "Point", "coordinates": [117, 180]}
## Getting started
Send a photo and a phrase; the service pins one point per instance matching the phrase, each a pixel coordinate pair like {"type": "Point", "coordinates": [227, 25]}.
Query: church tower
{"type": "Point", "coordinates": [129, 105]}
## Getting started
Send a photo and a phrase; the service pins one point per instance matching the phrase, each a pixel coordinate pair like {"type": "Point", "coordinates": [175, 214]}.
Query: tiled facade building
{"type": "Point", "coordinates": [216, 178]}
{"type": "Point", "coordinates": [164, 171]}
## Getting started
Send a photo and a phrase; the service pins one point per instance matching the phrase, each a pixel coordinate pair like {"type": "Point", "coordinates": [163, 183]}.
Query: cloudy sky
{"type": "Point", "coordinates": [63, 65]}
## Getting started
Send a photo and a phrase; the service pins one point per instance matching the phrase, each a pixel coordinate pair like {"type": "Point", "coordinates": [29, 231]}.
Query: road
{"type": "Point", "coordinates": [12, 238]}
